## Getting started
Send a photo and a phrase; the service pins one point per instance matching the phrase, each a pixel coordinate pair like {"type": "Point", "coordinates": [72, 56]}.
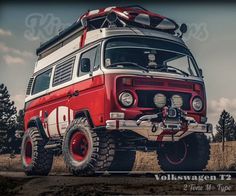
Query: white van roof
{"type": "Point", "coordinates": [99, 34]}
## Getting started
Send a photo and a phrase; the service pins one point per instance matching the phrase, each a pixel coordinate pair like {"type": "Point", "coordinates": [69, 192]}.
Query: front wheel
{"type": "Point", "coordinates": [189, 154]}
{"type": "Point", "coordinates": [85, 150]}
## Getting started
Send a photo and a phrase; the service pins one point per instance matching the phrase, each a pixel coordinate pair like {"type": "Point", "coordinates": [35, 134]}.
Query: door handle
{"type": "Point", "coordinates": [76, 93]}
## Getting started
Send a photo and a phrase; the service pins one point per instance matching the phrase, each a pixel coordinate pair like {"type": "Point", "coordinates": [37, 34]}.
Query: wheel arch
{"type": "Point", "coordinates": [36, 122]}
{"type": "Point", "coordinates": [86, 114]}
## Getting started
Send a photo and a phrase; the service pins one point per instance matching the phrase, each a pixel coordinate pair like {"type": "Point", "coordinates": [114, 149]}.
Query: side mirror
{"type": "Point", "coordinates": [183, 29]}
{"type": "Point", "coordinates": [201, 73]}
{"type": "Point", "coordinates": [85, 65]}
{"type": "Point", "coordinates": [111, 17]}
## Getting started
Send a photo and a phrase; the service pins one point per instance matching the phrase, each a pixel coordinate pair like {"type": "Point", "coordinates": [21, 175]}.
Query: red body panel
{"type": "Point", "coordinates": [91, 98]}
{"type": "Point", "coordinates": [99, 96]}
{"type": "Point", "coordinates": [114, 87]}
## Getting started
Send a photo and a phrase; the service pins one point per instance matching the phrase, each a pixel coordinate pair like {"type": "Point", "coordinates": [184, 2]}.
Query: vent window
{"type": "Point", "coordinates": [63, 72]}
{"type": "Point", "coordinates": [29, 87]}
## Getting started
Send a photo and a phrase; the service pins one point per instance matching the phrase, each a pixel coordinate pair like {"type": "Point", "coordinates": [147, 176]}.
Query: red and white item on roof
{"type": "Point", "coordinates": [127, 16]}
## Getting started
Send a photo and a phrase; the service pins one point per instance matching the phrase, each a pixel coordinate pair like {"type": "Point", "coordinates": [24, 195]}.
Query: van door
{"type": "Point", "coordinates": [89, 84]}
{"type": "Point", "coordinates": [59, 114]}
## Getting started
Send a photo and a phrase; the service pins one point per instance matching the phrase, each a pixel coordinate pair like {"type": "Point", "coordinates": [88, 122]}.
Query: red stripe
{"type": "Point", "coordinates": [83, 37]}
{"type": "Point", "coordinates": [160, 137]}
{"type": "Point", "coordinates": [117, 124]}
{"type": "Point", "coordinates": [57, 122]}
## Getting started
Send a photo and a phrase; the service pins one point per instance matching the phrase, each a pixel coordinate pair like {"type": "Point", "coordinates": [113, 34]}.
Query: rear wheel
{"type": "Point", "coordinates": [86, 151]}
{"type": "Point", "coordinates": [35, 159]}
{"type": "Point", "coordinates": [189, 154]}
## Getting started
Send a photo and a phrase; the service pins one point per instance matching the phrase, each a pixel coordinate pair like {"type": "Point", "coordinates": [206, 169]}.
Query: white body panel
{"type": "Point", "coordinates": [97, 34]}
{"type": "Point", "coordinates": [58, 54]}
{"type": "Point", "coordinates": [65, 115]}
{"type": "Point", "coordinates": [58, 120]}
{"type": "Point", "coordinates": [52, 123]}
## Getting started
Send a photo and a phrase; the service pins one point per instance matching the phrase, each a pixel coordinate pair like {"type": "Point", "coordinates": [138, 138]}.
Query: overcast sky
{"type": "Point", "coordinates": [211, 38]}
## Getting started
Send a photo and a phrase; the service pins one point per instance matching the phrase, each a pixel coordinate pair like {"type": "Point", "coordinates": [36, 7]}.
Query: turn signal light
{"type": "Point", "coordinates": [127, 81]}
{"type": "Point", "coordinates": [117, 115]}
{"type": "Point", "coordinates": [197, 87]}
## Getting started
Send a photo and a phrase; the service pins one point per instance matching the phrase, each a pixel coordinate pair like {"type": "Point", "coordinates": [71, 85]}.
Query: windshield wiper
{"type": "Point", "coordinates": [128, 63]}
{"type": "Point", "coordinates": [168, 66]}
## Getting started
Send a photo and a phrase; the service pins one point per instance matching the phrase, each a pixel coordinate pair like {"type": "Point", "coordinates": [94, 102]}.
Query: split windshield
{"type": "Point", "coordinates": [149, 55]}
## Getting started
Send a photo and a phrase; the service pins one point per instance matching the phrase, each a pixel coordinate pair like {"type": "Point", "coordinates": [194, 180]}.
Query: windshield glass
{"type": "Point", "coordinates": [149, 55]}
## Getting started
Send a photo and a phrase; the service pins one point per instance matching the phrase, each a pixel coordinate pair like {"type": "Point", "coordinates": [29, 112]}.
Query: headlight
{"type": "Point", "coordinates": [177, 101]}
{"type": "Point", "coordinates": [126, 99]}
{"type": "Point", "coordinates": [197, 104]}
{"type": "Point", "coordinates": [159, 100]}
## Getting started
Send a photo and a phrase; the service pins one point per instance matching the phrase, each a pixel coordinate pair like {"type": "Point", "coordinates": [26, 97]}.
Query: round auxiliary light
{"type": "Point", "coordinates": [177, 101]}
{"type": "Point", "coordinates": [159, 100]}
{"type": "Point", "coordinates": [197, 104]}
{"type": "Point", "coordinates": [111, 17]}
{"type": "Point", "coordinates": [126, 99]}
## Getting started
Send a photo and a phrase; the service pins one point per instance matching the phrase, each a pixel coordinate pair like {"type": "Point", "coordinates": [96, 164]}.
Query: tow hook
{"type": "Point", "coordinates": [154, 128]}
{"type": "Point", "coordinates": [163, 114]}
{"type": "Point", "coordinates": [147, 117]}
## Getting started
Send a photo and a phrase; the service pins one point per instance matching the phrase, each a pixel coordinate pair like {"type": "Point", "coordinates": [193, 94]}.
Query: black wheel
{"type": "Point", "coordinates": [123, 161]}
{"type": "Point", "coordinates": [35, 159]}
{"type": "Point", "coordinates": [86, 151]}
{"type": "Point", "coordinates": [189, 154]}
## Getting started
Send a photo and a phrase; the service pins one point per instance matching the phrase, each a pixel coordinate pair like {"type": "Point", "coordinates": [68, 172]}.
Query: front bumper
{"type": "Point", "coordinates": [153, 131]}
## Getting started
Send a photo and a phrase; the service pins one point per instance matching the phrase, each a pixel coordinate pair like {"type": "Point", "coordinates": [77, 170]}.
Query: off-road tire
{"type": "Point", "coordinates": [195, 158]}
{"type": "Point", "coordinates": [41, 159]}
{"type": "Point", "coordinates": [100, 149]}
{"type": "Point", "coordinates": [123, 161]}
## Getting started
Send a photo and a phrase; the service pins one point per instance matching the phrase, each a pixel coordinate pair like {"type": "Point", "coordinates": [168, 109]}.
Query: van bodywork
{"type": "Point", "coordinates": [57, 106]}
{"type": "Point", "coordinates": [124, 82]}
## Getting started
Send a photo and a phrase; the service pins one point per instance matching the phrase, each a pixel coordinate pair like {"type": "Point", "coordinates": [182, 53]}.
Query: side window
{"type": "Point", "coordinates": [89, 59]}
{"type": "Point", "coordinates": [42, 81]}
{"type": "Point", "coordinates": [63, 72]}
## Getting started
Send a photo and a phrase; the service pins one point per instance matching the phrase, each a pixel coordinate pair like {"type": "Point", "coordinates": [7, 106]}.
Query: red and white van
{"type": "Point", "coordinates": [99, 95]}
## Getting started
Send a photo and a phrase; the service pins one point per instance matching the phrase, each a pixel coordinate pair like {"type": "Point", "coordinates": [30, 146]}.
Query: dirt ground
{"type": "Point", "coordinates": [58, 184]}
{"type": "Point", "coordinates": [141, 182]}
{"type": "Point", "coordinates": [143, 162]}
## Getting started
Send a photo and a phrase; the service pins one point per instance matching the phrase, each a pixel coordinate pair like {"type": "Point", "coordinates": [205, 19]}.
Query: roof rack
{"type": "Point", "coordinates": [133, 16]}
{"type": "Point", "coordinates": [75, 27]}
